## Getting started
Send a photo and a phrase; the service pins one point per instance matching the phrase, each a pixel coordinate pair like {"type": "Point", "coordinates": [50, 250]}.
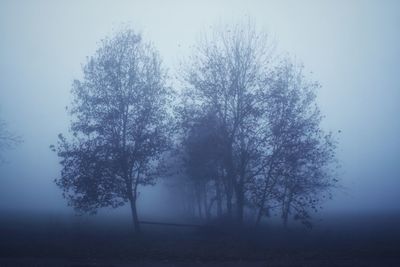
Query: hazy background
{"type": "Point", "coordinates": [351, 47]}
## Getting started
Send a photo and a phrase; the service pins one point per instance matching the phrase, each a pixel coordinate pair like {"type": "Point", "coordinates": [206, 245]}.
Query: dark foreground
{"type": "Point", "coordinates": [53, 241]}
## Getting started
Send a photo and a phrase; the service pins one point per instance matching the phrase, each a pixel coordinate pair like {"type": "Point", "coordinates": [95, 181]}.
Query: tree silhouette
{"type": "Point", "coordinates": [224, 77]}
{"type": "Point", "coordinates": [299, 154]}
{"type": "Point", "coordinates": [119, 126]}
{"type": "Point", "coordinates": [247, 130]}
{"type": "Point", "coordinates": [270, 151]}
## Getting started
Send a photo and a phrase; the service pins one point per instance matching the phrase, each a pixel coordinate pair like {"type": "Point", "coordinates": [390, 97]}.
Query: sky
{"type": "Point", "coordinates": [351, 47]}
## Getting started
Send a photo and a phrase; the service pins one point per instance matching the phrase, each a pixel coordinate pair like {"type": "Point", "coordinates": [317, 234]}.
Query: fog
{"type": "Point", "coordinates": [350, 47]}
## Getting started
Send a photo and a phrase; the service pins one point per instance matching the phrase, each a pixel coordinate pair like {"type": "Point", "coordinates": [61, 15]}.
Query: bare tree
{"type": "Point", "coordinates": [271, 150]}
{"type": "Point", "coordinates": [8, 139]}
{"type": "Point", "coordinates": [300, 161]}
{"type": "Point", "coordinates": [119, 126]}
{"type": "Point", "coordinates": [224, 77]}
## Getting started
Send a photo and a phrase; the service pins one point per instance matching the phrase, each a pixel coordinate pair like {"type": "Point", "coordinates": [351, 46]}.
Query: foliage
{"type": "Point", "coordinates": [119, 126]}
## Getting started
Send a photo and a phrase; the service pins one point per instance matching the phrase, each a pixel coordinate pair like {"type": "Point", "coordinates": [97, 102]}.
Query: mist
{"type": "Point", "coordinates": [350, 47]}
{"type": "Point", "coordinates": [352, 51]}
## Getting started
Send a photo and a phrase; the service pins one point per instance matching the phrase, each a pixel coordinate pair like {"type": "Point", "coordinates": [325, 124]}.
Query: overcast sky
{"type": "Point", "coordinates": [351, 47]}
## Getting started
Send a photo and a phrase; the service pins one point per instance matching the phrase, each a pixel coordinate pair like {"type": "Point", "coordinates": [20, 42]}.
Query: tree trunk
{"type": "Point", "coordinates": [198, 200]}
{"type": "Point", "coordinates": [259, 215]}
{"type": "Point", "coordinates": [199, 209]}
{"type": "Point", "coordinates": [135, 217]}
{"type": "Point", "coordinates": [264, 197]}
{"type": "Point", "coordinates": [285, 212]}
{"type": "Point", "coordinates": [229, 192]}
{"type": "Point", "coordinates": [229, 204]}
{"type": "Point", "coordinates": [285, 217]}
{"type": "Point", "coordinates": [229, 178]}
{"type": "Point", "coordinates": [206, 210]}
{"type": "Point", "coordinates": [219, 199]}
{"type": "Point", "coordinates": [287, 199]}
{"type": "Point", "coordinates": [239, 203]}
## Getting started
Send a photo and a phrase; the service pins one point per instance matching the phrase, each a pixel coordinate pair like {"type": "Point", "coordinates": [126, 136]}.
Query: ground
{"type": "Point", "coordinates": [51, 241]}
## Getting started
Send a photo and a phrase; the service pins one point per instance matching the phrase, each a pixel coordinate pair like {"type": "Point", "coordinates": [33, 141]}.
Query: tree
{"type": "Point", "coordinates": [301, 155]}
{"type": "Point", "coordinates": [224, 78]}
{"type": "Point", "coordinates": [271, 151]}
{"type": "Point", "coordinates": [119, 126]}
{"type": "Point", "coordinates": [202, 160]}
{"type": "Point", "coordinates": [7, 139]}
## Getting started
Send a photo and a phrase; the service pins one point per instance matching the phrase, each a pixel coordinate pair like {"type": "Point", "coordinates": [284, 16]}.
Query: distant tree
{"type": "Point", "coordinates": [300, 155]}
{"type": "Point", "coordinates": [271, 151]}
{"type": "Point", "coordinates": [202, 161]}
{"type": "Point", "coordinates": [225, 77]}
{"type": "Point", "coordinates": [119, 126]}
{"type": "Point", "coordinates": [8, 139]}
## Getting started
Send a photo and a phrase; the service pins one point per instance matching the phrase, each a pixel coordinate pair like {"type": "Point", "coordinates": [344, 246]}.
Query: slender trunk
{"type": "Point", "coordinates": [198, 200]}
{"type": "Point", "coordinates": [259, 215]}
{"type": "Point", "coordinates": [260, 210]}
{"type": "Point", "coordinates": [267, 187]}
{"type": "Point", "coordinates": [239, 202]}
{"type": "Point", "coordinates": [229, 204]}
{"type": "Point", "coordinates": [287, 199]}
{"type": "Point", "coordinates": [264, 198]}
{"type": "Point", "coordinates": [219, 200]}
{"type": "Point", "coordinates": [229, 178]}
{"type": "Point", "coordinates": [229, 193]}
{"type": "Point", "coordinates": [206, 210]}
{"type": "Point", "coordinates": [132, 199]}
{"type": "Point", "coordinates": [227, 183]}
{"type": "Point", "coordinates": [287, 209]}
{"type": "Point", "coordinates": [285, 216]}
{"type": "Point", "coordinates": [210, 207]}
{"type": "Point", "coordinates": [135, 217]}
{"type": "Point", "coordinates": [240, 183]}
{"type": "Point", "coordinates": [193, 204]}
{"type": "Point", "coordinates": [199, 209]}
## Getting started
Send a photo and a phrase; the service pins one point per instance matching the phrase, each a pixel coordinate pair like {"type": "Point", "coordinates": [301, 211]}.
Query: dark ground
{"type": "Point", "coordinates": [56, 241]}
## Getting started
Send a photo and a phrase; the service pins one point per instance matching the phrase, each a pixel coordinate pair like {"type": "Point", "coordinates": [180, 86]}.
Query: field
{"type": "Point", "coordinates": [63, 241]}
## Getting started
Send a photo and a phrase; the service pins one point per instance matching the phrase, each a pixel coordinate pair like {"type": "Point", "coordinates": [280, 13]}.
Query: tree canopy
{"type": "Point", "coordinates": [119, 125]}
{"type": "Point", "coordinates": [271, 150]}
{"type": "Point", "coordinates": [248, 138]}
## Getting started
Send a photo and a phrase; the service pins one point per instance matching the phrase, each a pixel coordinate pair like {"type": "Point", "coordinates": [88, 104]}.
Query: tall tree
{"type": "Point", "coordinates": [300, 158]}
{"type": "Point", "coordinates": [119, 126]}
{"type": "Point", "coordinates": [271, 148]}
{"type": "Point", "coordinates": [224, 77]}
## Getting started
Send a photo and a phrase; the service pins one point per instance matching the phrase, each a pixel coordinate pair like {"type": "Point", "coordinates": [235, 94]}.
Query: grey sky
{"type": "Point", "coordinates": [351, 47]}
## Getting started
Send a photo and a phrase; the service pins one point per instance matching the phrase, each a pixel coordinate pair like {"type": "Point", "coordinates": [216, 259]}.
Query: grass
{"type": "Point", "coordinates": [61, 241]}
